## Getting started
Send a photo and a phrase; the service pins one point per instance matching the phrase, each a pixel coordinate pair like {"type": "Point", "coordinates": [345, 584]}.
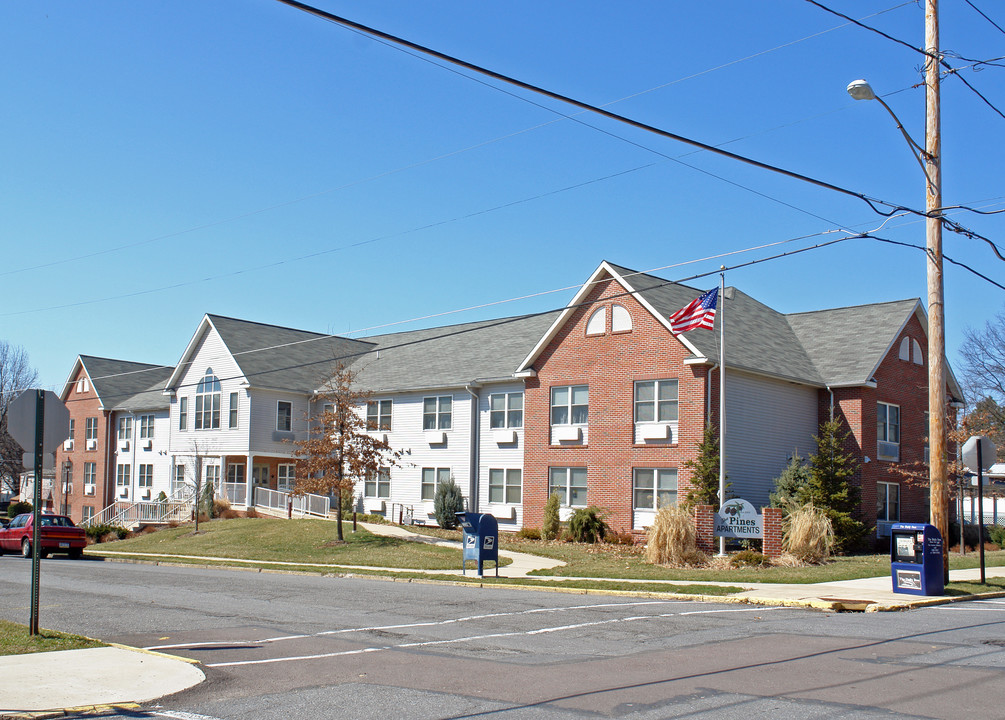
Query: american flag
{"type": "Point", "coordinates": [699, 313]}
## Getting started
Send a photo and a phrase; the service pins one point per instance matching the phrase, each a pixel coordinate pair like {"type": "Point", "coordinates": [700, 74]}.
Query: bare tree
{"type": "Point", "coordinates": [16, 374]}
{"type": "Point", "coordinates": [338, 451]}
{"type": "Point", "coordinates": [983, 373]}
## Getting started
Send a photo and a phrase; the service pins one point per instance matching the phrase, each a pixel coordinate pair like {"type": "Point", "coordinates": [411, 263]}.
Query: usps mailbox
{"type": "Point", "coordinates": [916, 560]}
{"type": "Point", "coordinates": [481, 539]}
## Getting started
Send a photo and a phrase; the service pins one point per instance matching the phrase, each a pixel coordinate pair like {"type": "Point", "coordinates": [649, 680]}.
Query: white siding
{"type": "Point", "coordinates": [265, 438]}
{"type": "Point", "coordinates": [139, 454]}
{"type": "Point", "coordinates": [211, 353]}
{"type": "Point", "coordinates": [495, 455]}
{"type": "Point", "coordinates": [765, 421]}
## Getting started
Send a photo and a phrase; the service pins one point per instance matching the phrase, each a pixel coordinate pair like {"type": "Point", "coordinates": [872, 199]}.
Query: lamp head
{"type": "Point", "coordinates": [861, 90]}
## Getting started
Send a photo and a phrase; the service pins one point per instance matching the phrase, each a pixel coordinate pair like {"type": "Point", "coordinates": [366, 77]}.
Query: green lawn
{"type": "Point", "coordinates": [15, 640]}
{"type": "Point", "coordinates": [296, 541]}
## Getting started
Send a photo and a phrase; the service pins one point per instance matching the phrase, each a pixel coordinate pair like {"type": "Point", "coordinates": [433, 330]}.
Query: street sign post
{"type": "Point", "coordinates": [979, 454]}
{"type": "Point", "coordinates": [38, 421]}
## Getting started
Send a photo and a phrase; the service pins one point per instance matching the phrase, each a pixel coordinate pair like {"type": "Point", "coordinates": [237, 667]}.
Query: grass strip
{"type": "Point", "coordinates": [15, 640]}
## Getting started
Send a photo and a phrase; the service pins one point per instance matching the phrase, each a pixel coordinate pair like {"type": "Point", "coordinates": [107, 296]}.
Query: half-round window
{"type": "Point", "coordinates": [917, 356]}
{"type": "Point", "coordinates": [905, 349]}
{"type": "Point", "coordinates": [597, 324]}
{"type": "Point", "coordinates": [621, 320]}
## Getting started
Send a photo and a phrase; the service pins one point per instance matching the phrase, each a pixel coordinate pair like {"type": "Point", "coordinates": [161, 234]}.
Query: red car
{"type": "Point", "coordinates": [58, 535]}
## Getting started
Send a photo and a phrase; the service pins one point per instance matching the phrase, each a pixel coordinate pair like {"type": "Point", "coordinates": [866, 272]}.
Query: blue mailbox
{"type": "Point", "coordinates": [916, 559]}
{"type": "Point", "coordinates": [481, 539]}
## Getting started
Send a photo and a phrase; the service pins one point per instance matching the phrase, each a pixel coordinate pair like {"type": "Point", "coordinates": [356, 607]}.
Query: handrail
{"type": "Point", "coordinates": [149, 511]}
{"type": "Point", "coordinates": [298, 505]}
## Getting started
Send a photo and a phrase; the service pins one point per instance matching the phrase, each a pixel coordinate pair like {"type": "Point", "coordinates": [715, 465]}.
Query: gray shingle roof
{"type": "Point", "coordinates": [451, 356]}
{"type": "Point", "coordinates": [295, 360]}
{"type": "Point", "coordinates": [847, 343]}
{"type": "Point", "coordinates": [125, 385]}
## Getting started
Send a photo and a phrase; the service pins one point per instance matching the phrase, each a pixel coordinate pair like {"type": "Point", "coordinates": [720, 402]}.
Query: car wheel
{"type": "Point", "coordinates": [26, 548]}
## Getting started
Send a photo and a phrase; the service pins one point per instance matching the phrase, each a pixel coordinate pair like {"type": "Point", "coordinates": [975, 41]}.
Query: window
{"type": "Point", "coordinates": [122, 479]}
{"type": "Point", "coordinates": [233, 407]}
{"type": "Point", "coordinates": [653, 488]}
{"type": "Point", "coordinates": [72, 427]}
{"type": "Point", "coordinates": [183, 413]}
{"type": "Point", "coordinates": [235, 474]}
{"type": "Point", "coordinates": [207, 402]}
{"type": "Point", "coordinates": [928, 457]}
{"type": "Point", "coordinates": [569, 483]}
{"type": "Point", "coordinates": [570, 405]}
{"type": "Point", "coordinates": [436, 412]}
{"type": "Point", "coordinates": [379, 485]}
{"type": "Point", "coordinates": [179, 479]}
{"type": "Point", "coordinates": [146, 427]}
{"type": "Point", "coordinates": [431, 479]}
{"type": "Point", "coordinates": [597, 324]}
{"type": "Point", "coordinates": [145, 481]}
{"type": "Point", "coordinates": [887, 502]}
{"type": "Point", "coordinates": [286, 477]}
{"type": "Point", "coordinates": [125, 428]}
{"type": "Point", "coordinates": [505, 486]}
{"type": "Point", "coordinates": [90, 477]}
{"type": "Point", "coordinates": [621, 320]}
{"type": "Point", "coordinates": [82, 385]}
{"type": "Point", "coordinates": [656, 401]}
{"type": "Point", "coordinates": [378, 415]}
{"type": "Point", "coordinates": [888, 431]}
{"type": "Point", "coordinates": [506, 410]}
{"type": "Point", "coordinates": [284, 416]}
{"type": "Point", "coordinates": [213, 475]}
{"type": "Point", "coordinates": [91, 429]}
{"type": "Point", "coordinates": [87, 514]}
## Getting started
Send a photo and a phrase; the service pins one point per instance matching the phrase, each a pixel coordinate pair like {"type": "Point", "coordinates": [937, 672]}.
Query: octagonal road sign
{"type": "Point", "coordinates": [21, 420]}
{"type": "Point", "coordinates": [988, 453]}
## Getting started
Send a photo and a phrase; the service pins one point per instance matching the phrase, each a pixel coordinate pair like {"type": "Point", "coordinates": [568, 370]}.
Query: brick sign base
{"type": "Point", "coordinates": [708, 543]}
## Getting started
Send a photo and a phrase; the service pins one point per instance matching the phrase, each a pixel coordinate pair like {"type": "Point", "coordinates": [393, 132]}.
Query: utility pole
{"type": "Point", "coordinates": [938, 459]}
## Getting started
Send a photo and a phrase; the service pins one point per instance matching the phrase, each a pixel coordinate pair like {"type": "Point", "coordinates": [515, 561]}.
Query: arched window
{"type": "Point", "coordinates": [917, 357]}
{"type": "Point", "coordinates": [905, 349]}
{"type": "Point", "coordinates": [597, 324]}
{"type": "Point", "coordinates": [621, 321]}
{"type": "Point", "coordinates": [207, 402]}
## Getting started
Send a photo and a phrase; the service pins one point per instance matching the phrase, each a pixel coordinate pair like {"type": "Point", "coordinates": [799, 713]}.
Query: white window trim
{"type": "Point", "coordinates": [568, 484]}
{"type": "Point", "coordinates": [886, 493]}
{"type": "Point", "coordinates": [437, 472]}
{"type": "Point", "coordinates": [655, 488]}
{"type": "Point", "coordinates": [437, 414]}
{"type": "Point", "coordinates": [507, 397]}
{"type": "Point", "coordinates": [889, 443]}
{"type": "Point", "coordinates": [506, 485]}
{"type": "Point", "coordinates": [280, 403]}
{"type": "Point", "coordinates": [569, 406]}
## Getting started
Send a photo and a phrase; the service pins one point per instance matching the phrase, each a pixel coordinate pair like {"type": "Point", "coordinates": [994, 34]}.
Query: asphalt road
{"type": "Point", "coordinates": [273, 645]}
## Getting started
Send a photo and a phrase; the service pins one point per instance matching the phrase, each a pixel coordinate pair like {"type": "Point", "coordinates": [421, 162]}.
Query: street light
{"type": "Point", "coordinates": [929, 159]}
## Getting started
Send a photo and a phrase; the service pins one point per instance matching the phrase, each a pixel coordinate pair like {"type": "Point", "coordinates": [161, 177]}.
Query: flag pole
{"type": "Point", "coordinates": [722, 398]}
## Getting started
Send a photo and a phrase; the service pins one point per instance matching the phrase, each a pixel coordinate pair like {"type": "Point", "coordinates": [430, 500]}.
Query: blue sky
{"type": "Point", "coordinates": [164, 160]}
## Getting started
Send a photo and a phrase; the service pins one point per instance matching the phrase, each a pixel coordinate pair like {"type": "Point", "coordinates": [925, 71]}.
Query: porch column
{"type": "Point", "coordinates": [249, 501]}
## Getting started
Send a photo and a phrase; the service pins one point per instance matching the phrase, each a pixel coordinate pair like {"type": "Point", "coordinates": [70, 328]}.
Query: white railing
{"type": "Point", "coordinates": [235, 493]}
{"type": "Point", "coordinates": [315, 505]}
{"type": "Point", "coordinates": [126, 514]}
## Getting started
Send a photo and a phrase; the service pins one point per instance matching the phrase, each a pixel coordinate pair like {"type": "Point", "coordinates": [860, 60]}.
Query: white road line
{"type": "Point", "coordinates": [180, 715]}
{"type": "Point", "coordinates": [405, 626]}
{"type": "Point", "coordinates": [452, 641]}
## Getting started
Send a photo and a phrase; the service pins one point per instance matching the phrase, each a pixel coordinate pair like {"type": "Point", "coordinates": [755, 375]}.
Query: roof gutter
{"type": "Point", "coordinates": [474, 445]}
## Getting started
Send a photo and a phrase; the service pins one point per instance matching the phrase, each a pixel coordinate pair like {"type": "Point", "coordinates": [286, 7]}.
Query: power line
{"type": "Point", "coordinates": [981, 13]}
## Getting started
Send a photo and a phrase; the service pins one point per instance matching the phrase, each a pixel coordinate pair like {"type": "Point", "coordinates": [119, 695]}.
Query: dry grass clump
{"type": "Point", "coordinates": [672, 539]}
{"type": "Point", "coordinates": [809, 535]}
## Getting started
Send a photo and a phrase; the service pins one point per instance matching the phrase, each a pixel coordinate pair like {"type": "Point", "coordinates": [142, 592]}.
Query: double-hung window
{"type": "Point", "coordinates": [232, 411]}
{"type": "Point", "coordinates": [378, 415]}
{"type": "Point", "coordinates": [431, 479]}
{"type": "Point", "coordinates": [506, 410]}
{"type": "Point", "coordinates": [286, 477]}
{"type": "Point", "coordinates": [569, 483]}
{"type": "Point", "coordinates": [122, 479]}
{"type": "Point", "coordinates": [91, 429]}
{"type": "Point", "coordinates": [378, 485]}
{"type": "Point", "coordinates": [436, 412]}
{"type": "Point", "coordinates": [505, 486]}
{"type": "Point", "coordinates": [125, 428]}
{"type": "Point", "coordinates": [146, 427]}
{"type": "Point", "coordinates": [90, 477]}
{"type": "Point", "coordinates": [235, 473]}
{"type": "Point", "coordinates": [653, 488]}
{"type": "Point", "coordinates": [145, 481]}
{"type": "Point", "coordinates": [284, 416]}
{"type": "Point", "coordinates": [207, 402]}
{"type": "Point", "coordinates": [887, 502]}
{"type": "Point", "coordinates": [183, 413]}
{"type": "Point", "coordinates": [888, 431]}
{"type": "Point", "coordinates": [570, 405]}
{"type": "Point", "coordinates": [656, 401]}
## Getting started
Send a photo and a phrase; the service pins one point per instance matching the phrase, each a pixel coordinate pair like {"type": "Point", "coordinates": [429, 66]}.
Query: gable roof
{"type": "Point", "coordinates": [275, 357]}
{"type": "Point", "coordinates": [122, 384]}
{"type": "Point", "coordinates": [451, 356]}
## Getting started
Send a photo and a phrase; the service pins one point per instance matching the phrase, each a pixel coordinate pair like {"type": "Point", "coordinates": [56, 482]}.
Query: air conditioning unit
{"type": "Point", "coordinates": [567, 434]}
{"type": "Point", "coordinates": [148, 445]}
{"type": "Point", "coordinates": [124, 447]}
{"type": "Point", "coordinates": [146, 495]}
{"type": "Point", "coordinates": [68, 445]}
{"type": "Point", "coordinates": [654, 432]}
{"type": "Point", "coordinates": [504, 436]}
{"type": "Point", "coordinates": [92, 444]}
{"type": "Point", "coordinates": [89, 490]}
{"type": "Point", "coordinates": [435, 437]}
{"type": "Point", "coordinates": [124, 495]}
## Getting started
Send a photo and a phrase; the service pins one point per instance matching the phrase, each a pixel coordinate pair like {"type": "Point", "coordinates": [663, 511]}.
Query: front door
{"type": "Point", "coordinates": [260, 476]}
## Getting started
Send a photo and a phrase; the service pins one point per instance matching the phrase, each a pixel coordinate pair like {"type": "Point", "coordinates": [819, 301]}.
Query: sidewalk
{"type": "Point", "coordinates": [122, 676]}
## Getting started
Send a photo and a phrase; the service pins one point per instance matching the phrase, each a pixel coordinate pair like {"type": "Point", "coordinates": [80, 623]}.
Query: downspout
{"type": "Point", "coordinates": [708, 392]}
{"type": "Point", "coordinates": [832, 401]}
{"type": "Point", "coordinates": [474, 447]}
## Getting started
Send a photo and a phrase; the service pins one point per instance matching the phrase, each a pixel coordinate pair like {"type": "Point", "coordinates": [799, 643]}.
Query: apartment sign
{"type": "Point", "coordinates": [737, 518]}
